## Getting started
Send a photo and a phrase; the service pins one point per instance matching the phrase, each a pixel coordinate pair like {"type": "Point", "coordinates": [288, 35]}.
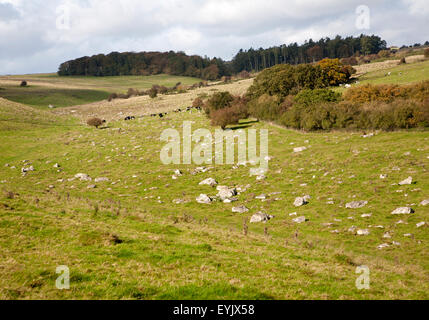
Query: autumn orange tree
{"type": "Point", "coordinates": [333, 72]}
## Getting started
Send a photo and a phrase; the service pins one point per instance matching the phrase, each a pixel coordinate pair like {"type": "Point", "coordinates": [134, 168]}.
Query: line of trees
{"type": "Point", "coordinates": [309, 52]}
{"type": "Point", "coordinates": [178, 63]}
{"type": "Point", "coordinates": [145, 63]}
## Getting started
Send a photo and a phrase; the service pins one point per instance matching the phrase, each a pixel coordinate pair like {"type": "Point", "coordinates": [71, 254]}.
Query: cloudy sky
{"type": "Point", "coordinates": [37, 35]}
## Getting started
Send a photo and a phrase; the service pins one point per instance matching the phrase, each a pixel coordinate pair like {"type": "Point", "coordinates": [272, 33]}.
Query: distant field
{"type": "Point", "coordinates": [402, 74]}
{"type": "Point", "coordinates": [46, 89]}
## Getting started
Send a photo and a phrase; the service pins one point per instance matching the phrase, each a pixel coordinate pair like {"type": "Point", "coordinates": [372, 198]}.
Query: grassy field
{"type": "Point", "coordinates": [46, 89]}
{"type": "Point", "coordinates": [402, 74]}
{"type": "Point", "coordinates": [127, 239]}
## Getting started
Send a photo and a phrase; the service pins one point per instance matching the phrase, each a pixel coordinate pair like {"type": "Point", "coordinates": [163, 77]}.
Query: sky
{"type": "Point", "coordinates": [38, 35]}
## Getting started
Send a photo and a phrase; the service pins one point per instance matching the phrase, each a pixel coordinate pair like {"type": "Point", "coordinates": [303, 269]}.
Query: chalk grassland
{"type": "Point", "coordinates": [144, 105]}
{"type": "Point", "coordinates": [46, 89]}
{"type": "Point", "coordinates": [126, 239]}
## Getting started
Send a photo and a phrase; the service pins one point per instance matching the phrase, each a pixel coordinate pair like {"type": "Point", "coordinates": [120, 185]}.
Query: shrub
{"type": "Point", "coordinates": [384, 54]}
{"type": "Point", "coordinates": [23, 84]}
{"type": "Point", "coordinates": [217, 101]}
{"type": "Point", "coordinates": [162, 90]}
{"type": "Point", "coordinates": [244, 75]}
{"type": "Point", "coordinates": [229, 115]}
{"type": "Point", "coordinates": [132, 92]}
{"type": "Point", "coordinates": [426, 53]}
{"type": "Point", "coordinates": [266, 107]}
{"type": "Point", "coordinates": [112, 96]}
{"type": "Point", "coordinates": [95, 122]}
{"type": "Point", "coordinates": [310, 97]}
{"type": "Point", "coordinates": [351, 61]}
{"type": "Point", "coordinates": [403, 61]}
{"type": "Point", "coordinates": [276, 81]}
{"type": "Point", "coordinates": [153, 92]}
{"type": "Point", "coordinates": [387, 92]}
{"type": "Point", "coordinates": [198, 102]}
{"type": "Point", "coordinates": [333, 72]}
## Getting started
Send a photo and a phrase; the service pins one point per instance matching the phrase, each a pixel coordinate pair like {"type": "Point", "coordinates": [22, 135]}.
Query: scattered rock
{"type": "Point", "coordinates": [356, 204]}
{"type": "Point", "coordinates": [420, 224]}
{"type": "Point", "coordinates": [204, 199]}
{"type": "Point", "coordinates": [240, 209]}
{"type": "Point", "coordinates": [210, 182]}
{"type": "Point", "coordinates": [299, 219]}
{"type": "Point", "coordinates": [383, 176]}
{"type": "Point", "coordinates": [387, 235]}
{"type": "Point", "coordinates": [384, 245]}
{"type": "Point", "coordinates": [102, 179]}
{"type": "Point", "coordinates": [261, 197]}
{"type": "Point", "coordinates": [424, 202]}
{"type": "Point", "coordinates": [261, 217]}
{"type": "Point", "coordinates": [407, 181]}
{"type": "Point", "coordinates": [301, 201]}
{"type": "Point", "coordinates": [403, 210]}
{"type": "Point", "coordinates": [27, 169]}
{"type": "Point", "coordinates": [57, 165]}
{"type": "Point", "coordinates": [225, 192]}
{"type": "Point", "coordinates": [366, 215]}
{"type": "Point", "coordinates": [92, 186]}
{"type": "Point", "coordinates": [362, 232]}
{"type": "Point", "coordinates": [83, 177]}
{"type": "Point", "coordinates": [300, 149]}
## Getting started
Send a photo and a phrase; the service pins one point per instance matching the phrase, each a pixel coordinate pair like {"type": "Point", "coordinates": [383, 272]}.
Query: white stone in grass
{"type": "Point", "coordinates": [240, 209]}
{"type": "Point", "coordinates": [387, 235]}
{"type": "Point", "coordinates": [384, 245]}
{"type": "Point", "coordinates": [101, 179]}
{"type": "Point", "coordinates": [366, 215]}
{"type": "Point", "coordinates": [420, 224]}
{"type": "Point", "coordinates": [300, 149]}
{"type": "Point", "coordinates": [82, 177]}
{"type": "Point", "coordinates": [403, 210]}
{"type": "Point", "coordinates": [301, 201]}
{"type": "Point", "coordinates": [299, 220]}
{"type": "Point", "coordinates": [424, 202]}
{"type": "Point", "coordinates": [407, 181]}
{"type": "Point", "coordinates": [204, 199]}
{"type": "Point", "coordinates": [261, 217]}
{"type": "Point", "coordinates": [362, 232]}
{"type": "Point", "coordinates": [226, 192]}
{"type": "Point", "coordinates": [356, 204]}
{"type": "Point", "coordinates": [210, 182]}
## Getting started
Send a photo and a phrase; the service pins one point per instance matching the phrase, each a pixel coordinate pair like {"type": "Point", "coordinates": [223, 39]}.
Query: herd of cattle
{"type": "Point", "coordinates": [162, 115]}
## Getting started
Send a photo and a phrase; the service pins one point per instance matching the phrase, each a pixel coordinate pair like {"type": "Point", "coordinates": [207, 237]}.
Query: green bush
{"type": "Point", "coordinates": [218, 100]}
{"type": "Point", "coordinates": [309, 97]}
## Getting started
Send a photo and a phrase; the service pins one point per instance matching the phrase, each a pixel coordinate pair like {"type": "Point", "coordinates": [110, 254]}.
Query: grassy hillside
{"type": "Point", "coordinates": [128, 239]}
{"type": "Point", "coordinates": [402, 74]}
{"type": "Point", "coordinates": [46, 89]}
{"type": "Point", "coordinates": [191, 250]}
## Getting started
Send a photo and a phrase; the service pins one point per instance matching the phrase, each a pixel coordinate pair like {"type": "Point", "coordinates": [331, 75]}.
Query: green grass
{"type": "Point", "coordinates": [195, 251]}
{"type": "Point", "coordinates": [126, 239]}
{"type": "Point", "coordinates": [40, 96]}
{"type": "Point", "coordinates": [46, 89]}
{"type": "Point", "coordinates": [403, 74]}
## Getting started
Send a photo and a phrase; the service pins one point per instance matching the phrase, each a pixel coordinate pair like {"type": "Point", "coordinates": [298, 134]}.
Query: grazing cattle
{"type": "Point", "coordinates": [161, 115]}
{"type": "Point", "coordinates": [130, 118]}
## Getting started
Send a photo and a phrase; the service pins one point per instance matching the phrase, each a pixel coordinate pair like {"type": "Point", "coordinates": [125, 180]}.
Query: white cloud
{"type": "Point", "coordinates": [32, 43]}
